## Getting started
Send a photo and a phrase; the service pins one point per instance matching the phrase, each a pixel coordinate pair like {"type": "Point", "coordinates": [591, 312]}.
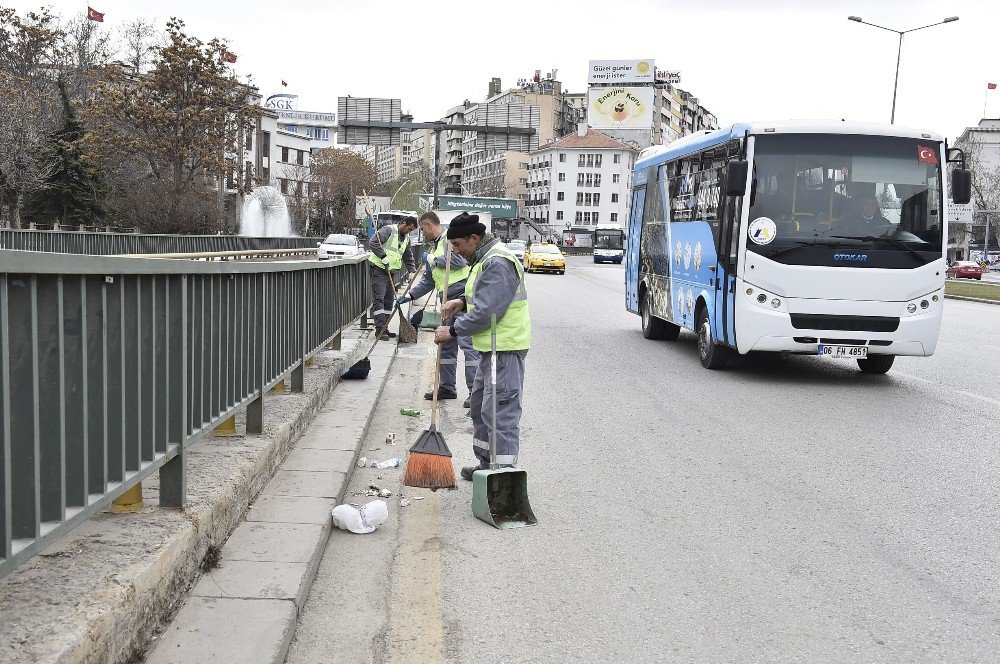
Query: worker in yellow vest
{"type": "Point", "coordinates": [388, 249]}
{"type": "Point", "coordinates": [495, 286]}
{"type": "Point", "coordinates": [433, 280]}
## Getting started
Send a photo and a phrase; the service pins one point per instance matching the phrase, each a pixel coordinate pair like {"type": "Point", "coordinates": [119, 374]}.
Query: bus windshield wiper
{"type": "Point", "coordinates": [891, 240]}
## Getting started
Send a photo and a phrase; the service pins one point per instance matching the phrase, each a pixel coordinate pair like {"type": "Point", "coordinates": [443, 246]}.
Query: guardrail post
{"type": "Point", "coordinates": [173, 484]}
{"type": "Point", "coordinates": [255, 409]}
{"type": "Point", "coordinates": [298, 378]}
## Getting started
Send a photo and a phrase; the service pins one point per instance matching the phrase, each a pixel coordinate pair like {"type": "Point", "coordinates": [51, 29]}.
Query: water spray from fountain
{"type": "Point", "coordinates": [265, 214]}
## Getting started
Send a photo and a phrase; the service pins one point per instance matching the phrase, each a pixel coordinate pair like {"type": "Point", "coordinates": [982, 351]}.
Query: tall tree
{"type": "Point", "coordinates": [168, 131]}
{"type": "Point", "coordinates": [74, 189]}
{"type": "Point", "coordinates": [338, 177]}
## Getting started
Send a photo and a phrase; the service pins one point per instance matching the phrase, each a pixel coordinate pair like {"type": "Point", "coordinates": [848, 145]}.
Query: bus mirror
{"type": "Point", "coordinates": [961, 186]}
{"type": "Point", "coordinates": [736, 178]}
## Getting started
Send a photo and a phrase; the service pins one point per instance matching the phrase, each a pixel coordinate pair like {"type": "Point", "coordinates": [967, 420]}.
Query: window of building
{"type": "Point", "coordinates": [614, 217]}
{"type": "Point", "coordinates": [249, 143]}
{"type": "Point", "coordinates": [302, 158]}
{"type": "Point", "coordinates": [284, 185]}
{"type": "Point", "coordinates": [597, 179]}
{"type": "Point", "coordinates": [586, 217]}
{"type": "Point", "coordinates": [284, 154]}
{"type": "Point", "coordinates": [594, 219]}
{"type": "Point", "coordinates": [559, 215]}
{"type": "Point", "coordinates": [615, 178]}
{"type": "Point", "coordinates": [597, 199]}
{"type": "Point", "coordinates": [265, 144]}
{"type": "Point", "coordinates": [560, 196]}
{"type": "Point", "coordinates": [579, 198]}
{"type": "Point", "coordinates": [590, 161]}
{"type": "Point", "coordinates": [597, 160]}
{"type": "Point", "coordinates": [579, 179]}
{"type": "Point", "coordinates": [523, 180]}
{"type": "Point", "coordinates": [618, 158]}
{"type": "Point", "coordinates": [523, 164]}
{"type": "Point", "coordinates": [324, 135]}
{"type": "Point", "coordinates": [562, 177]}
{"type": "Point", "coordinates": [614, 198]}
{"type": "Point", "coordinates": [562, 157]}
{"type": "Point", "coordinates": [579, 216]}
{"type": "Point", "coordinates": [588, 199]}
{"type": "Point", "coordinates": [582, 161]}
{"type": "Point", "coordinates": [590, 180]}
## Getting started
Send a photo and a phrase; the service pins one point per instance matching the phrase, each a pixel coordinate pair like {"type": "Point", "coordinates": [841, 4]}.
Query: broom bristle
{"type": "Point", "coordinates": [407, 333]}
{"type": "Point", "coordinates": [429, 471]}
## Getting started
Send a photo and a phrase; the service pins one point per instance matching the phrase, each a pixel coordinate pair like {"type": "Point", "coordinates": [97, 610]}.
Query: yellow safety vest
{"type": "Point", "coordinates": [457, 274]}
{"type": "Point", "coordinates": [393, 251]}
{"type": "Point", "coordinates": [514, 329]}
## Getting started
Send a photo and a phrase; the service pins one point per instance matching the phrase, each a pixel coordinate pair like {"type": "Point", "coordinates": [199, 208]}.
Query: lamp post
{"type": "Point", "coordinates": [899, 52]}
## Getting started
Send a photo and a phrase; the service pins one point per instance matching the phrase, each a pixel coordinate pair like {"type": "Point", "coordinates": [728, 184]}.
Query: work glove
{"type": "Point", "coordinates": [403, 300]}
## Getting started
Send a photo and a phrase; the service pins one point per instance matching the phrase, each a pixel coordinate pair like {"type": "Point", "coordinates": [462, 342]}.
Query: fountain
{"type": "Point", "coordinates": [265, 214]}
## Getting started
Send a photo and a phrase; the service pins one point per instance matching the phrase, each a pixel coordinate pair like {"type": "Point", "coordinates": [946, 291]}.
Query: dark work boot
{"type": "Point", "coordinates": [468, 470]}
{"type": "Point", "coordinates": [443, 393]}
{"type": "Point", "coordinates": [467, 403]}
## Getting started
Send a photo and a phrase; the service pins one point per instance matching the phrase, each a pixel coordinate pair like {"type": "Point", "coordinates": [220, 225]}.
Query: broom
{"type": "Point", "coordinates": [407, 333]}
{"type": "Point", "coordinates": [360, 369]}
{"type": "Point", "coordinates": [428, 465]}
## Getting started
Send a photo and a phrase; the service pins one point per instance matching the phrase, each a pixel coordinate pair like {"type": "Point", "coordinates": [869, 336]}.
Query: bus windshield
{"type": "Point", "coordinates": [871, 192]}
{"type": "Point", "coordinates": [607, 240]}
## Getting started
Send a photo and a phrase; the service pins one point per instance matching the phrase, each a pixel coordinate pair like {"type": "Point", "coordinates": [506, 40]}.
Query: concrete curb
{"type": "Point", "coordinates": [102, 592]}
{"type": "Point", "coordinates": [972, 299]}
{"type": "Point", "coordinates": [246, 610]}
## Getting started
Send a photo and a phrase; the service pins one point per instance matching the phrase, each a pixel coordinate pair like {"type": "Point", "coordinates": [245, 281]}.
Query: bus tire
{"type": "Point", "coordinates": [711, 354]}
{"type": "Point", "coordinates": [876, 364]}
{"type": "Point", "coordinates": [652, 327]}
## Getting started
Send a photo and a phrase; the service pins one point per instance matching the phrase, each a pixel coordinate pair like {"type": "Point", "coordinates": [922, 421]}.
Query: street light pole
{"type": "Point", "coordinates": [899, 52]}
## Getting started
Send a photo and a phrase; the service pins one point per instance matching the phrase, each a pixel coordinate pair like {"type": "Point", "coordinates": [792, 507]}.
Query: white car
{"type": "Point", "coordinates": [517, 247]}
{"type": "Point", "coordinates": [338, 246]}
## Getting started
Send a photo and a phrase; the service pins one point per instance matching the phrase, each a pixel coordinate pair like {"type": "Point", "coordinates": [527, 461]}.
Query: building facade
{"type": "Point", "coordinates": [581, 180]}
{"type": "Point", "coordinates": [981, 145]}
{"type": "Point", "coordinates": [450, 155]}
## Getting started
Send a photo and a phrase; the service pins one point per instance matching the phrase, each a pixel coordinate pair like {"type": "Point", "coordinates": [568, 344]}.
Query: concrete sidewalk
{"type": "Point", "coordinates": [245, 610]}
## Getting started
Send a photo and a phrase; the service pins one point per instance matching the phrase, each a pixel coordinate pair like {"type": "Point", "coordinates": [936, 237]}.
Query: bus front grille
{"type": "Point", "coordinates": [851, 323]}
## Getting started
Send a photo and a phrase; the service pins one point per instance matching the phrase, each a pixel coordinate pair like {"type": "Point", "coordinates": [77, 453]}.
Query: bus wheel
{"type": "Point", "coordinates": [652, 327]}
{"type": "Point", "coordinates": [712, 355]}
{"type": "Point", "coordinates": [876, 364]}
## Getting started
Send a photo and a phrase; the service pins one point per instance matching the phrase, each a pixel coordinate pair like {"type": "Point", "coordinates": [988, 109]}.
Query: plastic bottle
{"type": "Point", "coordinates": [409, 411]}
{"type": "Point", "coordinates": [388, 463]}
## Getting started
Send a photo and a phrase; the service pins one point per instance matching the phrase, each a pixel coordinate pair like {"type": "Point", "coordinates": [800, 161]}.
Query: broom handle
{"type": "Point", "coordinates": [493, 382]}
{"type": "Point", "coordinates": [437, 364]}
{"type": "Point", "coordinates": [389, 319]}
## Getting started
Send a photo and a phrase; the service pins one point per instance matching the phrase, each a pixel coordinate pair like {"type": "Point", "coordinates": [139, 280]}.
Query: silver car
{"type": "Point", "coordinates": [338, 246]}
{"type": "Point", "coordinates": [517, 247]}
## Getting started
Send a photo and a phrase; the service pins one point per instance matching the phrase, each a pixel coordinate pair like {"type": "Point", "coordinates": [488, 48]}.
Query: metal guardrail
{"type": "Point", "coordinates": [109, 367]}
{"type": "Point", "coordinates": [108, 244]}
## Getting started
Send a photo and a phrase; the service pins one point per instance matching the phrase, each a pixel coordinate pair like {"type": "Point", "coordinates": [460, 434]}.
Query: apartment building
{"type": "Point", "coordinates": [580, 180]}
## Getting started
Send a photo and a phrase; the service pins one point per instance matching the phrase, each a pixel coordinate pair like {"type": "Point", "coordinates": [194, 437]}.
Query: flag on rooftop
{"type": "Point", "coordinates": [94, 15]}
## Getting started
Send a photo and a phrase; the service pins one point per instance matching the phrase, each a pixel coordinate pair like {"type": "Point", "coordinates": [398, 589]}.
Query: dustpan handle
{"type": "Point", "coordinates": [493, 383]}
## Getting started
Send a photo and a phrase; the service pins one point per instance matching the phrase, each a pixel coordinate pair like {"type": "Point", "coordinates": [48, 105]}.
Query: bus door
{"type": "Point", "coordinates": [632, 277]}
{"type": "Point", "coordinates": [727, 249]}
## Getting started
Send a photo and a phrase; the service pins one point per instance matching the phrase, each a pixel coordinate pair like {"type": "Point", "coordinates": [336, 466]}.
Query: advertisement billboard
{"type": "Point", "coordinates": [365, 205]}
{"type": "Point", "coordinates": [577, 237]}
{"type": "Point", "coordinates": [672, 76]}
{"type": "Point", "coordinates": [621, 71]}
{"type": "Point", "coordinates": [619, 107]}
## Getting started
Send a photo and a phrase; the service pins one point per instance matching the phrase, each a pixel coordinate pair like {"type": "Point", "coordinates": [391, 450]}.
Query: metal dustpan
{"type": "Point", "coordinates": [500, 495]}
{"type": "Point", "coordinates": [430, 320]}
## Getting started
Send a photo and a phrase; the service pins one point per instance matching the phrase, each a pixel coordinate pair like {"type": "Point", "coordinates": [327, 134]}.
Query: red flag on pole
{"type": "Point", "coordinates": [926, 155]}
{"type": "Point", "coordinates": [227, 56]}
{"type": "Point", "coordinates": [991, 86]}
{"type": "Point", "coordinates": [94, 15]}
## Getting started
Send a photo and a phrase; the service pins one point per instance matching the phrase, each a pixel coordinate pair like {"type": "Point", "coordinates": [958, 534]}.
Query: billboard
{"type": "Point", "coordinates": [363, 205]}
{"type": "Point", "coordinates": [959, 213]}
{"type": "Point", "coordinates": [610, 72]}
{"type": "Point", "coordinates": [577, 237]}
{"type": "Point", "coordinates": [619, 107]}
{"type": "Point", "coordinates": [499, 208]}
{"type": "Point", "coordinates": [672, 76]}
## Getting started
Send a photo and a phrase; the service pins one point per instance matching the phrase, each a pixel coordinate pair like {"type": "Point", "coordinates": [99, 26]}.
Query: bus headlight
{"type": "Point", "coordinates": [762, 298]}
{"type": "Point", "coordinates": [911, 307]}
{"type": "Point", "coordinates": [775, 303]}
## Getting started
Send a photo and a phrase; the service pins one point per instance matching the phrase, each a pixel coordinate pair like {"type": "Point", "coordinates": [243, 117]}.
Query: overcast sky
{"type": "Point", "coordinates": [745, 60]}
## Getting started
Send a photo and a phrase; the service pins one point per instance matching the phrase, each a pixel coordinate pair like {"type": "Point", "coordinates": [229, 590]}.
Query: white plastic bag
{"type": "Point", "coordinates": [365, 520]}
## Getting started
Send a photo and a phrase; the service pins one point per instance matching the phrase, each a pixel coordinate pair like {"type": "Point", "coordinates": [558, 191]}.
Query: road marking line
{"type": "Point", "coordinates": [995, 402]}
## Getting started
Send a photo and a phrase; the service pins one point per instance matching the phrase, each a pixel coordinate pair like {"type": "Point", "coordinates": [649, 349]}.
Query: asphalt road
{"type": "Point", "coordinates": [781, 510]}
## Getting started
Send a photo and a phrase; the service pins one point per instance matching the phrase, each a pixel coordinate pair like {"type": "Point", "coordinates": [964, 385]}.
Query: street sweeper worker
{"type": "Point", "coordinates": [388, 249]}
{"type": "Point", "coordinates": [433, 279]}
{"type": "Point", "coordinates": [495, 286]}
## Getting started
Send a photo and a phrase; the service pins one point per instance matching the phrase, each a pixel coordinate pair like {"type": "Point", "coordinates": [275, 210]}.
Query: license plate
{"type": "Point", "coordinates": [848, 352]}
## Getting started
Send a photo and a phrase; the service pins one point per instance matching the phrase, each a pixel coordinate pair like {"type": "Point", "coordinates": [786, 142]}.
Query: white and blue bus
{"type": "Point", "coordinates": [818, 237]}
{"type": "Point", "coordinates": [609, 245]}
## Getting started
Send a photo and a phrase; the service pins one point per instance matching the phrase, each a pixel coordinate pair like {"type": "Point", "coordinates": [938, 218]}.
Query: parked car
{"type": "Point", "coordinates": [964, 270]}
{"type": "Point", "coordinates": [541, 257]}
{"type": "Point", "coordinates": [517, 247]}
{"type": "Point", "coordinates": [338, 246]}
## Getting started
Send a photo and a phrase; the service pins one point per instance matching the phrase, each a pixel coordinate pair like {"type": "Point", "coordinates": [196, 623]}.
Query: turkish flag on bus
{"type": "Point", "coordinates": [926, 155]}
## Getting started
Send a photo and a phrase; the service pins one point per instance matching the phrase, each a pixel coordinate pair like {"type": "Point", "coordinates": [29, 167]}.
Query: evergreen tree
{"type": "Point", "coordinates": [74, 191]}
